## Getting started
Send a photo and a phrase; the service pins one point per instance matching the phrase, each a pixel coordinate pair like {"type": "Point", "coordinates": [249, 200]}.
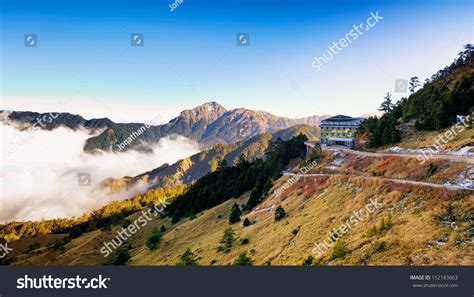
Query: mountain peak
{"type": "Point", "coordinates": [209, 112]}
{"type": "Point", "coordinates": [210, 107]}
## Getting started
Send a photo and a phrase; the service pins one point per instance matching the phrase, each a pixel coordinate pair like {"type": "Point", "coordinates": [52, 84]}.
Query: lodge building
{"type": "Point", "coordinates": [339, 130]}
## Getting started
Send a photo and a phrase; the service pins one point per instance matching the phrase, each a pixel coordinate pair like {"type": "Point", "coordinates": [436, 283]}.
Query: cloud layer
{"type": "Point", "coordinates": [39, 179]}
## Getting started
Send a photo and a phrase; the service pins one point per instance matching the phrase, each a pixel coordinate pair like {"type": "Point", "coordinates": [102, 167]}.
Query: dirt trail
{"type": "Point", "coordinates": [453, 158]}
{"type": "Point", "coordinates": [399, 181]}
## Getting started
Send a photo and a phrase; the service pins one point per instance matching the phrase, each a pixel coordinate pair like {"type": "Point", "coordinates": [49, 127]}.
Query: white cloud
{"type": "Point", "coordinates": [39, 179]}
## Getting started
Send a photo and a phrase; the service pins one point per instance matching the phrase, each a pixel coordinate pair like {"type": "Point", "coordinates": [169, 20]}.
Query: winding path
{"type": "Point", "coordinates": [399, 181]}
{"type": "Point", "coordinates": [453, 158]}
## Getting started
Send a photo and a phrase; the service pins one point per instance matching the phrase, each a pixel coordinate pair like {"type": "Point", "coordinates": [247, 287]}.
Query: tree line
{"type": "Point", "coordinates": [447, 93]}
{"type": "Point", "coordinates": [228, 182]}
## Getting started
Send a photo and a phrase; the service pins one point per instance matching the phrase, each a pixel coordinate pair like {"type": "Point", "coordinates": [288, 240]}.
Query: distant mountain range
{"type": "Point", "coordinates": [190, 169]}
{"type": "Point", "coordinates": [208, 124]}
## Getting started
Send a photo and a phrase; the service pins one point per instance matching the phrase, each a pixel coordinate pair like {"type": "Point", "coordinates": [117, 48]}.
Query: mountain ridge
{"type": "Point", "coordinates": [208, 124]}
{"type": "Point", "coordinates": [188, 170]}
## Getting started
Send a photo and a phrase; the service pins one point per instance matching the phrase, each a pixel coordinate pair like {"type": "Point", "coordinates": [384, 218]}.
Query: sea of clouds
{"type": "Point", "coordinates": [39, 179]}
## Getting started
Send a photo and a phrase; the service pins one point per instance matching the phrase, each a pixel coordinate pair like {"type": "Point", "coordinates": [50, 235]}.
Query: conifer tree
{"type": "Point", "coordinates": [235, 214]}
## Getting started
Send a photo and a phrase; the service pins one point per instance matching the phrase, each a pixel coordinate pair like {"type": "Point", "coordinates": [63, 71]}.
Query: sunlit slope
{"type": "Point", "coordinates": [428, 226]}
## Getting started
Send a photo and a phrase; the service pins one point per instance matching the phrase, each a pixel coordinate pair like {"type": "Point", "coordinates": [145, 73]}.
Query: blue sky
{"type": "Point", "coordinates": [84, 58]}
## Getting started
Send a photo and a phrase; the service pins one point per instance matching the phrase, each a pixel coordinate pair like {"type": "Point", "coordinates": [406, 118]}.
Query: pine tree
{"type": "Point", "coordinates": [243, 260]}
{"type": "Point", "coordinates": [386, 105]}
{"type": "Point", "coordinates": [153, 240]}
{"type": "Point", "coordinates": [255, 195]}
{"type": "Point", "coordinates": [267, 186]}
{"type": "Point", "coordinates": [187, 258]}
{"type": "Point", "coordinates": [235, 214]}
{"type": "Point", "coordinates": [414, 83]}
{"type": "Point", "coordinates": [228, 237]}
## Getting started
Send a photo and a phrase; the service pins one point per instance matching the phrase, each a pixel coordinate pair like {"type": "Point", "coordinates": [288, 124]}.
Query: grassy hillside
{"type": "Point", "coordinates": [424, 139]}
{"type": "Point", "coordinates": [421, 231]}
{"type": "Point", "coordinates": [415, 225]}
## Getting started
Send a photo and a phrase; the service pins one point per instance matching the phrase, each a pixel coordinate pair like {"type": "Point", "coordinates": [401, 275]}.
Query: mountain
{"type": "Point", "coordinates": [208, 124]}
{"type": "Point", "coordinates": [190, 169]}
{"type": "Point", "coordinates": [383, 210]}
{"type": "Point", "coordinates": [242, 123]}
{"type": "Point", "coordinates": [351, 208]}
{"type": "Point", "coordinates": [312, 120]}
{"type": "Point", "coordinates": [49, 121]}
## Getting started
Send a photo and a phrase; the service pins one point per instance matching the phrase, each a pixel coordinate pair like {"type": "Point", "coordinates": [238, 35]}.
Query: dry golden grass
{"type": "Point", "coordinates": [414, 211]}
{"type": "Point", "coordinates": [424, 139]}
{"type": "Point", "coordinates": [399, 167]}
{"type": "Point", "coordinates": [421, 231]}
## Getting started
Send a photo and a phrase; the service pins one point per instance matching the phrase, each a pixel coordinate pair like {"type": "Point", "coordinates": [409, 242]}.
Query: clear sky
{"type": "Point", "coordinates": [84, 58]}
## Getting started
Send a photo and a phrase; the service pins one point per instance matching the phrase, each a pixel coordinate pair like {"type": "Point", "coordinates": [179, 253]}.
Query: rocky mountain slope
{"type": "Point", "coordinates": [187, 170]}
{"type": "Point", "coordinates": [209, 124]}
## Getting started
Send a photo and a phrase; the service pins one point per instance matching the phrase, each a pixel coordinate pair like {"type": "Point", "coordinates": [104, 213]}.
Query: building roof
{"type": "Point", "coordinates": [341, 118]}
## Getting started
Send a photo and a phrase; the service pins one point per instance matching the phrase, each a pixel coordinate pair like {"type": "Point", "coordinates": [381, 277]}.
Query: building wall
{"type": "Point", "coordinates": [341, 129]}
{"type": "Point", "coordinates": [339, 132]}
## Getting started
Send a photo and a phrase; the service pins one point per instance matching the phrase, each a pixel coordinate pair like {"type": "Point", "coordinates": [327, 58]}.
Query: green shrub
{"type": "Point", "coordinates": [226, 241]}
{"type": "Point", "coordinates": [308, 261]}
{"type": "Point", "coordinates": [153, 239]}
{"type": "Point", "coordinates": [60, 243]}
{"type": "Point", "coordinates": [384, 225]}
{"type": "Point", "coordinates": [432, 169]}
{"type": "Point", "coordinates": [121, 257]}
{"type": "Point", "coordinates": [279, 213]}
{"type": "Point", "coordinates": [235, 214]}
{"type": "Point", "coordinates": [380, 247]}
{"type": "Point", "coordinates": [339, 249]}
{"type": "Point", "coordinates": [243, 260]}
{"type": "Point", "coordinates": [33, 246]}
{"type": "Point", "coordinates": [187, 258]}
{"type": "Point", "coordinates": [246, 222]}
{"type": "Point", "coordinates": [75, 232]}
{"type": "Point", "coordinates": [244, 241]}
{"type": "Point", "coordinates": [295, 231]}
{"type": "Point", "coordinates": [125, 223]}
